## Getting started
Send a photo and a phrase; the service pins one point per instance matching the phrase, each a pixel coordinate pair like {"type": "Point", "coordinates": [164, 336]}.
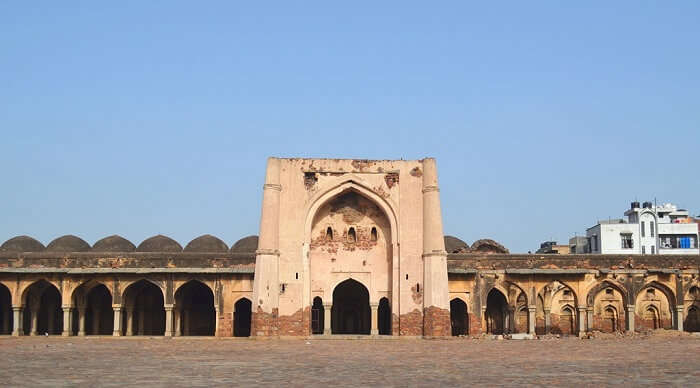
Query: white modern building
{"type": "Point", "coordinates": [648, 229]}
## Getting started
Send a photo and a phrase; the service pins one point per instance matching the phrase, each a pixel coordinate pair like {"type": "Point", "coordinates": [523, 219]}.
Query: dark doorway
{"type": "Point", "coordinates": [317, 311]}
{"type": "Point", "coordinates": [692, 320]}
{"type": "Point", "coordinates": [195, 304]}
{"type": "Point", "coordinates": [458, 317]}
{"type": "Point", "coordinates": [148, 309]}
{"type": "Point", "coordinates": [99, 315]}
{"type": "Point", "coordinates": [6, 319]}
{"type": "Point", "coordinates": [241, 321]}
{"type": "Point", "coordinates": [43, 313]}
{"type": "Point", "coordinates": [496, 312]}
{"type": "Point", "coordinates": [384, 317]}
{"type": "Point", "coordinates": [350, 313]}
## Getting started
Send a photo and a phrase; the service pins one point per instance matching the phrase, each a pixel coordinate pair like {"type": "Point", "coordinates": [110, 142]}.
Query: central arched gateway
{"type": "Point", "coordinates": [350, 313]}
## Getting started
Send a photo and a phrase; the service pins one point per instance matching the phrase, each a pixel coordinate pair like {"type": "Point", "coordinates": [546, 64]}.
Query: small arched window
{"type": "Point", "coordinates": [373, 234]}
{"type": "Point", "coordinates": [352, 237]}
{"type": "Point", "coordinates": [329, 234]}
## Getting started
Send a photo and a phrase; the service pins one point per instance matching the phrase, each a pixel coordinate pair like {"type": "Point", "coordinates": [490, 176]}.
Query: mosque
{"type": "Point", "coordinates": [346, 247]}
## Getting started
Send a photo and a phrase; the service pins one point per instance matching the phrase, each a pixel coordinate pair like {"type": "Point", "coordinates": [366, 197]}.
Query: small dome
{"type": "Point", "coordinates": [246, 245]}
{"type": "Point", "coordinates": [206, 243]}
{"type": "Point", "coordinates": [22, 244]}
{"type": "Point", "coordinates": [488, 246]}
{"type": "Point", "coordinates": [68, 243]}
{"type": "Point", "coordinates": [455, 245]}
{"type": "Point", "coordinates": [159, 243]}
{"type": "Point", "coordinates": [113, 243]}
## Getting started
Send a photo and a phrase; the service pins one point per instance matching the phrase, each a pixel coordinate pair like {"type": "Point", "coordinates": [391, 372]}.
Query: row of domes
{"type": "Point", "coordinates": [455, 245]}
{"type": "Point", "coordinates": [159, 243]}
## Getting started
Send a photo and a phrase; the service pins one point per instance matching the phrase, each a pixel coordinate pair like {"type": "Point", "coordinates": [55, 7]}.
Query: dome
{"type": "Point", "coordinates": [246, 245]}
{"type": "Point", "coordinates": [488, 246]}
{"type": "Point", "coordinates": [68, 243]}
{"type": "Point", "coordinates": [455, 245]}
{"type": "Point", "coordinates": [22, 244]}
{"type": "Point", "coordinates": [206, 243]}
{"type": "Point", "coordinates": [159, 243]}
{"type": "Point", "coordinates": [113, 243]}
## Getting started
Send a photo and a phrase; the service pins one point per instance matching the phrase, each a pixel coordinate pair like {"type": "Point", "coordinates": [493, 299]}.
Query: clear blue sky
{"type": "Point", "coordinates": [138, 118]}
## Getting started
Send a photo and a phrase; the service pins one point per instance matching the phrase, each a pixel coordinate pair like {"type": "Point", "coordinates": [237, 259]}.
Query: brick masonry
{"type": "Point", "coordinates": [436, 322]}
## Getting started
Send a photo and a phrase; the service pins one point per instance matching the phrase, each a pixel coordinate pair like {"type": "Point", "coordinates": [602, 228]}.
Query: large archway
{"type": "Point", "coordinates": [351, 233]}
{"type": "Point", "coordinates": [241, 320]}
{"type": "Point", "coordinates": [458, 317]}
{"type": "Point", "coordinates": [350, 313]}
{"type": "Point", "coordinates": [194, 304]}
{"type": "Point", "coordinates": [496, 312]}
{"type": "Point", "coordinates": [6, 319]}
{"type": "Point", "coordinates": [99, 315]}
{"type": "Point", "coordinates": [145, 311]}
{"type": "Point", "coordinates": [43, 309]}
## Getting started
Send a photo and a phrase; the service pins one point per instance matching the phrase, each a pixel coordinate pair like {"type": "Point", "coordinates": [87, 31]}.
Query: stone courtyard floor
{"type": "Point", "coordinates": [104, 361]}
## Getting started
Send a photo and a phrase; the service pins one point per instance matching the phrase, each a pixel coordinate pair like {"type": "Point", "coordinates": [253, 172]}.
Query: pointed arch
{"type": "Point", "coordinates": [43, 313]}
{"type": "Point", "coordinates": [345, 183]}
{"type": "Point", "coordinates": [194, 309]}
{"type": "Point", "coordinates": [6, 318]}
{"type": "Point", "coordinates": [603, 285]}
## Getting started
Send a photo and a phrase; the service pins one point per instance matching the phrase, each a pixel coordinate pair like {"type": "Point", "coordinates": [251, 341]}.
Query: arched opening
{"type": "Point", "coordinates": [194, 304]}
{"type": "Point", "coordinates": [458, 317]}
{"type": "Point", "coordinates": [329, 234]}
{"type": "Point", "coordinates": [496, 312]}
{"type": "Point", "coordinates": [373, 234]}
{"type": "Point", "coordinates": [521, 316]}
{"type": "Point", "coordinates": [317, 312]}
{"type": "Point", "coordinates": [350, 313]}
{"type": "Point", "coordinates": [5, 310]}
{"type": "Point", "coordinates": [384, 317]}
{"type": "Point", "coordinates": [566, 320]}
{"type": "Point", "coordinates": [651, 318]}
{"type": "Point", "coordinates": [609, 320]}
{"type": "Point", "coordinates": [43, 312]}
{"type": "Point", "coordinates": [692, 320]}
{"type": "Point", "coordinates": [352, 236]}
{"type": "Point", "coordinates": [241, 318]}
{"type": "Point", "coordinates": [99, 315]}
{"type": "Point", "coordinates": [145, 309]}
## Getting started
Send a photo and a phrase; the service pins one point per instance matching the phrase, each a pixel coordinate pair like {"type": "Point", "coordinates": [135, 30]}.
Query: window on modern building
{"type": "Point", "coordinates": [643, 231]}
{"type": "Point", "coordinates": [653, 249]}
{"type": "Point", "coordinates": [626, 240]}
{"type": "Point", "coordinates": [651, 228]}
{"type": "Point", "coordinates": [644, 251]}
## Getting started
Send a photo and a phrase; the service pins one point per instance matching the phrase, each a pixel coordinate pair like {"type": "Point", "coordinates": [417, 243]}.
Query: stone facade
{"type": "Point", "coordinates": [345, 247]}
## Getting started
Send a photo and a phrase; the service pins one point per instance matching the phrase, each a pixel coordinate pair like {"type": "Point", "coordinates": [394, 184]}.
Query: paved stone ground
{"type": "Point", "coordinates": [54, 361]}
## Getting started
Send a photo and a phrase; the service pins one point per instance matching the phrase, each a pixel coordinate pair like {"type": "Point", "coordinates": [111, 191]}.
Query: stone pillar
{"type": "Point", "coordinates": [216, 321]}
{"type": "Point", "coordinates": [547, 321]}
{"type": "Point", "coordinates": [67, 320]}
{"type": "Point", "coordinates": [375, 329]}
{"type": "Point", "coordinates": [169, 320]}
{"type": "Point", "coordinates": [265, 307]}
{"type": "Point", "coordinates": [129, 321]}
{"type": "Point", "coordinates": [531, 319]}
{"type": "Point", "coordinates": [581, 320]}
{"type": "Point", "coordinates": [436, 304]}
{"type": "Point", "coordinates": [176, 322]}
{"type": "Point", "coordinates": [34, 319]}
{"type": "Point", "coordinates": [589, 318]}
{"type": "Point", "coordinates": [510, 313]}
{"type": "Point", "coordinates": [679, 317]}
{"type": "Point", "coordinates": [81, 321]}
{"type": "Point", "coordinates": [630, 318]}
{"type": "Point", "coordinates": [17, 321]}
{"type": "Point", "coordinates": [327, 319]}
{"type": "Point", "coordinates": [117, 332]}
{"type": "Point", "coordinates": [95, 321]}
